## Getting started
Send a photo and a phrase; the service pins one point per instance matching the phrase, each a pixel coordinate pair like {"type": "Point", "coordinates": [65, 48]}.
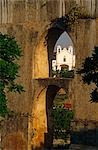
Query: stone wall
{"type": "Point", "coordinates": [19, 11]}
{"type": "Point", "coordinates": [14, 132]}
{"type": "Point", "coordinates": [84, 37]}
{"type": "Point", "coordinates": [87, 129]}
{"type": "Point", "coordinates": [28, 21]}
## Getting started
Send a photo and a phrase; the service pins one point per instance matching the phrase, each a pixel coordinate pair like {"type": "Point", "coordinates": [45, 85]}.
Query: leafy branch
{"type": "Point", "coordinates": [10, 51]}
{"type": "Point", "coordinates": [89, 73]}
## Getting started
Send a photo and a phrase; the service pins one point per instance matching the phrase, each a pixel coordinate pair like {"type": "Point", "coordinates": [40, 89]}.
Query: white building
{"type": "Point", "coordinates": [65, 58]}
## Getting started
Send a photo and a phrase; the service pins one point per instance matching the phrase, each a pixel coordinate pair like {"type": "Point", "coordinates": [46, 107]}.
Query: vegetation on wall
{"type": "Point", "coordinates": [9, 53]}
{"type": "Point", "coordinates": [63, 73]}
{"type": "Point", "coordinates": [89, 73]}
{"type": "Point", "coordinates": [75, 13]}
{"type": "Point", "coordinates": [65, 22]}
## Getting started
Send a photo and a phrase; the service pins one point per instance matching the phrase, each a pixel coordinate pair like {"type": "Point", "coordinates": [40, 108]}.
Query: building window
{"type": "Point", "coordinates": [59, 48]}
{"type": "Point", "coordinates": [64, 59]}
{"type": "Point", "coordinates": [56, 67]}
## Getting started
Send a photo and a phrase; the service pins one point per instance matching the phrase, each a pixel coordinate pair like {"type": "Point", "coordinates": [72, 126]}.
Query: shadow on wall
{"type": "Point", "coordinates": [85, 137]}
{"type": "Point", "coordinates": [50, 95]}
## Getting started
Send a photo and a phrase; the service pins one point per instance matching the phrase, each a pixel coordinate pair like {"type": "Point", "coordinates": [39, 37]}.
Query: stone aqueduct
{"type": "Point", "coordinates": [29, 22]}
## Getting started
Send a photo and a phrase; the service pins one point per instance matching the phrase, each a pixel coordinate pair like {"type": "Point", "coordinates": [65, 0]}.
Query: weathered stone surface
{"type": "Point", "coordinates": [28, 21]}
{"type": "Point", "coordinates": [14, 131]}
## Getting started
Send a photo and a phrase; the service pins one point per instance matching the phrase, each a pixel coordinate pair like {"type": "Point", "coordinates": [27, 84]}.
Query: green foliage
{"type": "Point", "coordinates": [75, 13]}
{"type": "Point", "coordinates": [67, 74]}
{"type": "Point", "coordinates": [63, 73]}
{"type": "Point", "coordinates": [89, 73]}
{"type": "Point", "coordinates": [9, 53]}
{"type": "Point", "coordinates": [62, 119]}
{"type": "Point", "coordinates": [3, 101]}
{"type": "Point", "coordinates": [65, 22]}
{"type": "Point", "coordinates": [59, 100]}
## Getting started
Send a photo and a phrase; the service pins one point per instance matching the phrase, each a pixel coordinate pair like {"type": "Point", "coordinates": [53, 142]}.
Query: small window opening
{"type": "Point", "coordinates": [64, 59]}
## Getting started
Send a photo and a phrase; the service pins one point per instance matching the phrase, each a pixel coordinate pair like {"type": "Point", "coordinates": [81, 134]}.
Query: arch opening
{"type": "Point", "coordinates": [54, 51]}
{"type": "Point", "coordinates": [61, 53]}
{"type": "Point", "coordinates": [57, 105]}
{"type": "Point", "coordinates": [44, 103]}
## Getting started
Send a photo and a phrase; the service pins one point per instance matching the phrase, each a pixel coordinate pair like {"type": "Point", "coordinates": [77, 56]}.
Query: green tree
{"type": "Point", "coordinates": [89, 73]}
{"type": "Point", "coordinates": [9, 53]}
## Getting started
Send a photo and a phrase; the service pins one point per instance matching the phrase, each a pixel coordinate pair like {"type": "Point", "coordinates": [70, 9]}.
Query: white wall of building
{"type": "Point", "coordinates": [54, 65]}
{"type": "Point", "coordinates": [64, 57]}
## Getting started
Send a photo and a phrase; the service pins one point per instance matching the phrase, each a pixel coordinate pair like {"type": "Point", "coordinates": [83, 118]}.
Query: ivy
{"type": "Point", "coordinates": [75, 13]}
{"type": "Point", "coordinates": [66, 21]}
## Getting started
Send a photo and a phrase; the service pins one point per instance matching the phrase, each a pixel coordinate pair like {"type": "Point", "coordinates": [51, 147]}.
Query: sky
{"type": "Point", "coordinates": [64, 41]}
